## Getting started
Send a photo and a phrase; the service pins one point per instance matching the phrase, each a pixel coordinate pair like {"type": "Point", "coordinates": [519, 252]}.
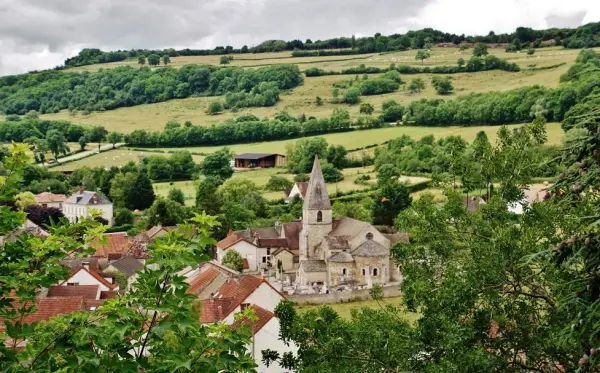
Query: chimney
{"type": "Point", "coordinates": [81, 190]}
{"type": "Point", "coordinates": [230, 232]}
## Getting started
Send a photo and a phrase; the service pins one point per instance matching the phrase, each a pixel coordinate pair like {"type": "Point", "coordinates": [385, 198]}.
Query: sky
{"type": "Point", "coordinates": [41, 34]}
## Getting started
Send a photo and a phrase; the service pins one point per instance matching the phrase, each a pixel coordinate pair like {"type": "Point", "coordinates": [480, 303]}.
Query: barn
{"type": "Point", "coordinates": [263, 160]}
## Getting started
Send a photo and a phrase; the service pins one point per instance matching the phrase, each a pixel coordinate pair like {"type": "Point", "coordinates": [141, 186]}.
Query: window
{"type": "Point", "coordinates": [364, 272]}
{"type": "Point", "coordinates": [375, 271]}
{"type": "Point", "coordinates": [268, 251]}
{"type": "Point", "coordinates": [344, 271]}
{"type": "Point", "coordinates": [319, 217]}
{"type": "Point", "coordinates": [369, 236]}
{"type": "Point", "coordinates": [72, 283]}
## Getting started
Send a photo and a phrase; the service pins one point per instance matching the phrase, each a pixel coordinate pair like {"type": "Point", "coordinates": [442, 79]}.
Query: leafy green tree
{"type": "Point", "coordinates": [416, 85]}
{"type": "Point", "coordinates": [331, 174]}
{"type": "Point", "coordinates": [25, 199]}
{"type": "Point", "coordinates": [176, 195]}
{"type": "Point", "coordinates": [214, 108]}
{"type": "Point", "coordinates": [388, 202]}
{"type": "Point", "coordinates": [234, 190]}
{"type": "Point", "coordinates": [352, 96]}
{"type": "Point", "coordinates": [422, 55]}
{"type": "Point", "coordinates": [460, 62]}
{"type": "Point", "coordinates": [530, 51]}
{"type": "Point", "coordinates": [336, 155]}
{"type": "Point", "coordinates": [97, 134]}
{"type": "Point", "coordinates": [225, 60]}
{"type": "Point", "coordinates": [301, 154]}
{"type": "Point", "coordinates": [82, 142]}
{"type": "Point", "coordinates": [278, 183]}
{"type": "Point", "coordinates": [387, 173]}
{"type": "Point", "coordinates": [120, 186]}
{"type": "Point", "coordinates": [355, 210]}
{"type": "Point", "coordinates": [114, 138]}
{"type": "Point", "coordinates": [166, 59]}
{"type": "Point", "coordinates": [393, 113]}
{"type": "Point", "coordinates": [218, 164]}
{"type": "Point", "coordinates": [140, 194]}
{"type": "Point", "coordinates": [232, 259]}
{"type": "Point", "coordinates": [57, 143]}
{"type": "Point", "coordinates": [235, 216]}
{"type": "Point", "coordinates": [141, 60]}
{"type": "Point", "coordinates": [207, 198]}
{"type": "Point", "coordinates": [153, 59]}
{"type": "Point", "coordinates": [32, 115]}
{"type": "Point", "coordinates": [366, 108]}
{"type": "Point", "coordinates": [123, 216]}
{"type": "Point", "coordinates": [336, 93]}
{"type": "Point", "coordinates": [319, 101]}
{"type": "Point", "coordinates": [480, 50]}
{"type": "Point", "coordinates": [165, 212]}
{"type": "Point", "coordinates": [443, 86]}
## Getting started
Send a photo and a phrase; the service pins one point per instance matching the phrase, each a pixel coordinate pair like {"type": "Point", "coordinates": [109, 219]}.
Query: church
{"type": "Point", "coordinates": [321, 250]}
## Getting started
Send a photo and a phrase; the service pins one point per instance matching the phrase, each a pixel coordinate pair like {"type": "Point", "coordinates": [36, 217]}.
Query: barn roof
{"type": "Point", "coordinates": [253, 156]}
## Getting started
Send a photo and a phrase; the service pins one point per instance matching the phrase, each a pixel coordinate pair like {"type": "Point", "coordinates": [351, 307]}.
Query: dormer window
{"type": "Point", "coordinates": [319, 217]}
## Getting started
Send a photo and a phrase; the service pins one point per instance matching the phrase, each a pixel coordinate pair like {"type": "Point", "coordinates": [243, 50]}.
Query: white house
{"type": "Point", "coordinates": [299, 189]}
{"type": "Point", "coordinates": [87, 276]}
{"type": "Point", "coordinates": [247, 291]}
{"type": "Point", "coordinates": [79, 205]}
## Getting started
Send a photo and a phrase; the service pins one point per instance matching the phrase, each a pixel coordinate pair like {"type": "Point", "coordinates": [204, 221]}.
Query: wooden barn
{"type": "Point", "coordinates": [263, 160]}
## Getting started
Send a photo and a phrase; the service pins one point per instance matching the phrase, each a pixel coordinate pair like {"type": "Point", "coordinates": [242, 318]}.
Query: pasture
{"type": "Point", "coordinates": [345, 309]}
{"type": "Point", "coordinates": [301, 100]}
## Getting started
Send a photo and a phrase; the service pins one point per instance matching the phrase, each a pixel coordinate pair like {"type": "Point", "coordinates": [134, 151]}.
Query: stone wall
{"type": "Point", "coordinates": [342, 297]}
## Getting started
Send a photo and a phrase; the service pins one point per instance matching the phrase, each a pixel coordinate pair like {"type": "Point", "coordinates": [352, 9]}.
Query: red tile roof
{"type": "Point", "coordinates": [201, 281]}
{"type": "Point", "coordinates": [229, 241]}
{"type": "Point", "coordinates": [47, 197]}
{"type": "Point", "coordinates": [117, 243]}
{"type": "Point", "coordinates": [108, 294]}
{"type": "Point", "coordinates": [272, 242]}
{"type": "Point", "coordinates": [85, 291]}
{"type": "Point", "coordinates": [291, 231]}
{"type": "Point", "coordinates": [94, 274]}
{"type": "Point", "coordinates": [262, 318]}
{"type": "Point", "coordinates": [214, 310]}
{"type": "Point", "coordinates": [47, 308]}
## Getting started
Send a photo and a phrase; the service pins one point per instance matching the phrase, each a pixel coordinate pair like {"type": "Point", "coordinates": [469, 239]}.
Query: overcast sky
{"type": "Point", "coordinates": [40, 34]}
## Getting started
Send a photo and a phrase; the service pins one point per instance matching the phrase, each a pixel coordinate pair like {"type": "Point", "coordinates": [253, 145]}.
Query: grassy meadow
{"type": "Point", "coordinates": [345, 309]}
{"type": "Point", "coordinates": [301, 100]}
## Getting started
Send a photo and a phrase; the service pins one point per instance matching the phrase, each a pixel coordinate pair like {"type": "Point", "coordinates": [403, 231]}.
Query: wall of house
{"type": "Point", "coordinates": [265, 296]}
{"type": "Point", "coordinates": [268, 338]}
{"type": "Point", "coordinates": [74, 211]}
{"type": "Point", "coordinates": [369, 264]}
{"type": "Point", "coordinates": [361, 237]}
{"type": "Point", "coordinates": [294, 192]}
{"type": "Point", "coordinates": [84, 278]}
{"type": "Point", "coordinates": [246, 250]}
{"type": "Point", "coordinates": [336, 273]}
{"type": "Point", "coordinates": [287, 260]}
{"type": "Point", "coordinates": [307, 278]}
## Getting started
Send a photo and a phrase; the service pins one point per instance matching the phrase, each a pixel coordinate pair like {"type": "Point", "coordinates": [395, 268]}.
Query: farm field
{"type": "Point", "coordinates": [358, 139]}
{"type": "Point", "coordinates": [301, 100]}
{"type": "Point", "coordinates": [345, 309]}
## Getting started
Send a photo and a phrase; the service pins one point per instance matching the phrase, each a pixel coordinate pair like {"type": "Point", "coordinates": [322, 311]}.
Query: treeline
{"type": "Point", "coordinates": [474, 64]}
{"type": "Point", "coordinates": [581, 37]}
{"type": "Point", "coordinates": [51, 91]}
{"type": "Point", "coordinates": [249, 129]}
{"type": "Point", "coordinates": [24, 130]}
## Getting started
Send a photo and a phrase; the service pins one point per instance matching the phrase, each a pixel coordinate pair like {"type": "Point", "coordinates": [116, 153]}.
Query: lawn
{"type": "Point", "coordinates": [359, 139]}
{"type": "Point", "coordinates": [301, 100]}
{"type": "Point", "coordinates": [345, 309]}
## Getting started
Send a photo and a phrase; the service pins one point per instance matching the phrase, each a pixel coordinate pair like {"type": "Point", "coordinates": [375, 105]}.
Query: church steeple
{"type": "Point", "coordinates": [316, 197]}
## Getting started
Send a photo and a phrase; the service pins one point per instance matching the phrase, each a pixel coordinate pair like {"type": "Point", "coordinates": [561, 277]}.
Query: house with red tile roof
{"type": "Point", "coordinates": [236, 295]}
{"type": "Point", "coordinates": [112, 245]}
{"type": "Point", "coordinates": [87, 276]}
{"type": "Point", "coordinates": [48, 199]}
{"type": "Point", "coordinates": [46, 308]}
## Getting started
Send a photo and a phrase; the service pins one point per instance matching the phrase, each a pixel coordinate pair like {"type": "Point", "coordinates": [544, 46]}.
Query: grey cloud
{"type": "Point", "coordinates": [565, 20]}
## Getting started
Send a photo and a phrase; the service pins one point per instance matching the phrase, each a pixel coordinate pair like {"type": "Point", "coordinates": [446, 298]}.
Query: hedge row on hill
{"type": "Point", "coordinates": [474, 64]}
{"type": "Point", "coordinates": [51, 91]}
{"type": "Point", "coordinates": [19, 131]}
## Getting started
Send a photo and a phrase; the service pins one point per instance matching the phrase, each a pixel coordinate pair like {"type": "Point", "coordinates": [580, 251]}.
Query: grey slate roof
{"type": "Point", "coordinates": [370, 248]}
{"type": "Point", "coordinates": [316, 197]}
{"type": "Point", "coordinates": [128, 265]}
{"type": "Point", "coordinates": [341, 257]}
{"type": "Point", "coordinates": [337, 243]}
{"type": "Point", "coordinates": [348, 227]}
{"type": "Point", "coordinates": [397, 237]}
{"type": "Point", "coordinates": [314, 265]}
{"type": "Point", "coordinates": [87, 198]}
{"type": "Point", "coordinates": [254, 155]}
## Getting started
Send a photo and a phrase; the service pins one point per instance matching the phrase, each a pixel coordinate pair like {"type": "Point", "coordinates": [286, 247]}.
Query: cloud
{"type": "Point", "coordinates": [40, 34]}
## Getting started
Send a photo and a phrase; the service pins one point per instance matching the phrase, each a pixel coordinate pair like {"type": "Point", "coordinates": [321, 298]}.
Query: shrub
{"type": "Point", "coordinates": [278, 183]}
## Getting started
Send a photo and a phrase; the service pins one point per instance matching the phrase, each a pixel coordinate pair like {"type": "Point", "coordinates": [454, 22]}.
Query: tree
{"type": "Point", "coordinates": [460, 62]}
{"type": "Point", "coordinates": [422, 55]}
{"type": "Point", "coordinates": [463, 47]}
{"type": "Point", "coordinates": [166, 59]}
{"type": "Point", "coordinates": [278, 183]}
{"type": "Point", "coordinates": [443, 86]}
{"type": "Point", "coordinates": [218, 164]}
{"type": "Point", "coordinates": [123, 216]}
{"type": "Point", "coordinates": [140, 195]}
{"type": "Point", "coordinates": [331, 174]}
{"type": "Point", "coordinates": [206, 195]}
{"type": "Point", "coordinates": [225, 60]}
{"type": "Point", "coordinates": [530, 51]}
{"type": "Point", "coordinates": [355, 210]}
{"type": "Point", "coordinates": [352, 96]}
{"type": "Point", "coordinates": [153, 59]}
{"type": "Point", "coordinates": [393, 113]}
{"type": "Point", "coordinates": [114, 138]}
{"type": "Point", "coordinates": [232, 259]}
{"type": "Point", "coordinates": [214, 108]}
{"type": "Point", "coordinates": [32, 115]}
{"type": "Point", "coordinates": [387, 173]}
{"type": "Point", "coordinates": [176, 195]}
{"type": "Point", "coordinates": [43, 216]}
{"type": "Point", "coordinates": [416, 85]}
{"type": "Point", "coordinates": [388, 202]}
{"type": "Point", "coordinates": [336, 155]}
{"type": "Point", "coordinates": [301, 154]}
{"type": "Point", "coordinates": [120, 186]}
{"type": "Point", "coordinates": [82, 142]}
{"type": "Point", "coordinates": [25, 199]}
{"type": "Point", "coordinates": [480, 50]}
{"type": "Point", "coordinates": [234, 190]}
{"type": "Point", "coordinates": [57, 143]}
{"type": "Point", "coordinates": [141, 60]}
{"type": "Point", "coordinates": [97, 134]}
{"type": "Point", "coordinates": [366, 108]}
{"type": "Point", "coordinates": [165, 212]}
{"type": "Point", "coordinates": [319, 101]}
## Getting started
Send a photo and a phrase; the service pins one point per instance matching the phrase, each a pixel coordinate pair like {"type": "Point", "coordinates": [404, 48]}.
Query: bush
{"type": "Point", "coordinates": [278, 183]}
{"type": "Point", "coordinates": [352, 96]}
{"type": "Point", "coordinates": [393, 113]}
{"type": "Point", "coordinates": [443, 86]}
{"type": "Point", "coordinates": [366, 108]}
{"type": "Point", "coordinates": [123, 216]}
{"type": "Point", "coordinates": [416, 85]}
{"type": "Point", "coordinates": [301, 178]}
{"type": "Point", "coordinates": [331, 174]}
{"type": "Point", "coordinates": [214, 108]}
{"type": "Point", "coordinates": [232, 259]}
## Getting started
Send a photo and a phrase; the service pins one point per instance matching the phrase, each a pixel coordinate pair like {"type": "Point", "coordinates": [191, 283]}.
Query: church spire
{"type": "Point", "coordinates": [317, 197]}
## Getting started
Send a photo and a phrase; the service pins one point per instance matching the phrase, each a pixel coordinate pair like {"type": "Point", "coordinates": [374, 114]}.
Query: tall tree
{"type": "Point", "coordinates": [153, 59]}
{"type": "Point", "coordinates": [218, 164]}
{"type": "Point", "coordinates": [480, 50]}
{"type": "Point", "coordinates": [114, 138]}
{"type": "Point", "coordinates": [389, 201]}
{"type": "Point", "coordinates": [57, 143]}
{"type": "Point", "coordinates": [140, 194]}
{"type": "Point", "coordinates": [206, 195]}
{"type": "Point", "coordinates": [97, 134]}
{"type": "Point", "coordinates": [166, 59]}
{"type": "Point", "coordinates": [422, 55]}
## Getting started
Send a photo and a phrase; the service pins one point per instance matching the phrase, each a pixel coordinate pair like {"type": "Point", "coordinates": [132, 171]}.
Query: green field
{"type": "Point", "coordinates": [345, 309]}
{"type": "Point", "coordinates": [301, 100]}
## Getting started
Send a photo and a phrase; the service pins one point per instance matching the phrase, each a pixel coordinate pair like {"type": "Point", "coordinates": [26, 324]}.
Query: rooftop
{"type": "Point", "coordinates": [128, 265]}
{"type": "Point", "coordinates": [87, 198]}
{"type": "Point", "coordinates": [47, 197]}
{"type": "Point", "coordinates": [85, 291]}
{"type": "Point", "coordinates": [253, 156]}
{"type": "Point", "coordinates": [262, 318]}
